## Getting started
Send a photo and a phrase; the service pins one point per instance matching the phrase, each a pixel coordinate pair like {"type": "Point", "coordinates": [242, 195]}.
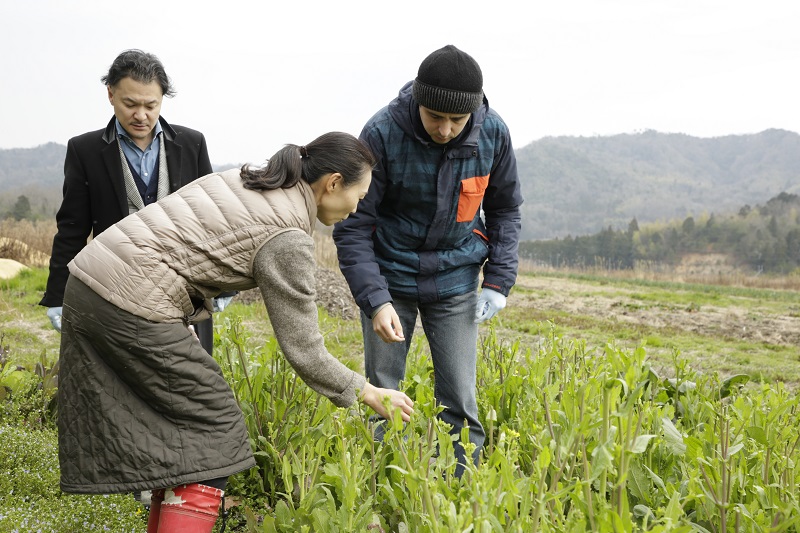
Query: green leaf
{"type": "Point", "coordinates": [657, 481]}
{"type": "Point", "coordinates": [543, 459]}
{"type": "Point", "coordinates": [17, 381]}
{"type": "Point", "coordinates": [639, 484]}
{"type": "Point", "coordinates": [286, 472]}
{"type": "Point", "coordinates": [612, 382]}
{"type": "Point", "coordinates": [283, 513]}
{"type": "Point", "coordinates": [601, 460]}
{"type": "Point", "coordinates": [640, 444]}
{"type": "Point", "coordinates": [757, 434]}
{"type": "Point", "coordinates": [735, 448]}
{"type": "Point", "coordinates": [674, 509]}
{"type": "Point", "coordinates": [673, 437]}
{"type": "Point", "coordinates": [641, 511]}
{"type": "Point", "coordinates": [733, 382]}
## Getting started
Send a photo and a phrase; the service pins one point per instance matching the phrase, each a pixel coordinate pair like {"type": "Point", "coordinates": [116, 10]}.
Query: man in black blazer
{"type": "Point", "coordinates": [135, 160]}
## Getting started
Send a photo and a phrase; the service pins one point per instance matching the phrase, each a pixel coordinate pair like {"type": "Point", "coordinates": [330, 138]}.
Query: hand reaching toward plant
{"type": "Point", "coordinates": [373, 396]}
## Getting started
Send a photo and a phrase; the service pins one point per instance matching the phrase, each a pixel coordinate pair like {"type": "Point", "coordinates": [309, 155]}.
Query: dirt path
{"type": "Point", "coordinates": [748, 322]}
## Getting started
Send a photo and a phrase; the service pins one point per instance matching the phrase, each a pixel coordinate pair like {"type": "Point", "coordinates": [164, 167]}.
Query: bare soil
{"type": "Point", "coordinates": [729, 322]}
{"type": "Point", "coordinates": [333, 294]}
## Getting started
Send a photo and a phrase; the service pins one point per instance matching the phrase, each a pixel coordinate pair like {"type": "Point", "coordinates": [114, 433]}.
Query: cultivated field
{"type": "Point", "coordinates": [721, 322]}
{"type": "Point", "coordinates": [612, 402]}
{"type": "Point", "coordinates": [718, 328]}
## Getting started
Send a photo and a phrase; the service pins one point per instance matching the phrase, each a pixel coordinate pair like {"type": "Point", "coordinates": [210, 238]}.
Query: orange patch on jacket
{"type": "Point", "coordinates": [471, 196]}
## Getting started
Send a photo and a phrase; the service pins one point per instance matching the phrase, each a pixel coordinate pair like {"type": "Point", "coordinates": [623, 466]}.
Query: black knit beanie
{"type": "Point", "coordinates": [449, 81]}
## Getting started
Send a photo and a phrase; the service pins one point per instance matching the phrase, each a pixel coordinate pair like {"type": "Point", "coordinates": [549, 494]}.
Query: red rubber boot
{"type": "Point", "coordinates": [156, 497]}
{"type": "Point", "coordinates": [189, 508]}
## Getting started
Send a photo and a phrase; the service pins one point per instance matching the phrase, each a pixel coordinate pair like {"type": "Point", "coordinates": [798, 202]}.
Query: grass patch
{"type": "Point", "coordinates": [24, 323]}
{"type": "Point", "coordinates": [32, 501]}
{"type": "Point", "coordinates": [695, 288]}
{"type": "Point", "coordinates": [726, 355]}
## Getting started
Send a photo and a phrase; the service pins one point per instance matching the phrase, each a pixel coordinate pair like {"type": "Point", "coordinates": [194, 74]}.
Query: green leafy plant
{"type": "Point", "coordinates": [27, 396]}
{"type": "Point", "coordinates": [577, 439]}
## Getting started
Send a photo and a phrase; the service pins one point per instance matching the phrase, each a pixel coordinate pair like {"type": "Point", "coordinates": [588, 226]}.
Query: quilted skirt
{"type": "Point", "coordinates": [141, 404]}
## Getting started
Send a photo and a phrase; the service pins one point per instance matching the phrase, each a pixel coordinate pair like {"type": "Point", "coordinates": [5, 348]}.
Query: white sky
{"type": "Point", "coordinates": [255, 75]}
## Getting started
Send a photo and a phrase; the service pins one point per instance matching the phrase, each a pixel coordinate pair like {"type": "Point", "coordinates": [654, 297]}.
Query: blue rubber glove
{"type": "Point", "coordinates": [54, 314]}
{"type": "Point", "coordinates": [220, 303]}
{"type": "Point", "coordinates": [489, 303]}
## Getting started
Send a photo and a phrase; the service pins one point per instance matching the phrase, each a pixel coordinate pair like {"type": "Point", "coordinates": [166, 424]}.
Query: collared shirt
{"type": "Point", "coordinates": [142, 161]}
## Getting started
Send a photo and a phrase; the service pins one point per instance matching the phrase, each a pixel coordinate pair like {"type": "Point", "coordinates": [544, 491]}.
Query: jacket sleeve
{"type": "Point", "coordinates": [501, 207]}
{"type": "Point", "coordinates": [73, 226]}
{"type": "Point", "coordinates": [203, 161]}
{"type": "Point", "coordinates": [194, 160]}
{"type": "Point", "coordinates": [284, 271]}
{"type": "Point", "coordinates": [354, 246]}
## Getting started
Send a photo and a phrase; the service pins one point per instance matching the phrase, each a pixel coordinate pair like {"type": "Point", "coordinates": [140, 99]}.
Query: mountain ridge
{"type": "Point", "coordinates": [572, 185]}
{"type": "Point", "coordinates": [580, 185]}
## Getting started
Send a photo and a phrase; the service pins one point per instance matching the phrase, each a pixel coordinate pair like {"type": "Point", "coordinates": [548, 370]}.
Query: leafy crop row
{"type": "Point", "coordinates": [577, 440]}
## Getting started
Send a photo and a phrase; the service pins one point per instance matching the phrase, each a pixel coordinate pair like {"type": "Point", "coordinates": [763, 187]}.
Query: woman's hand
{"type": "Point", "coordinates": [373, 396]}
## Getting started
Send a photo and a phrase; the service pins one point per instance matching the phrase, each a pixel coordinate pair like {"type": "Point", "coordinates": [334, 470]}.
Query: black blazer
{"type": "Point", "coordinates": [94, 195]}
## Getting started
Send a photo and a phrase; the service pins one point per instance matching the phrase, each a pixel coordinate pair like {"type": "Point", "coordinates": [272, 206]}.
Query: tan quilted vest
{"type": "Point", "coordinates": [160, 263]}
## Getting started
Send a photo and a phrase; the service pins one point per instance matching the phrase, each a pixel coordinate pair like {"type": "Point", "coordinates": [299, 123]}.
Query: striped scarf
{"type": "Point", "coordinates": [135, 202]}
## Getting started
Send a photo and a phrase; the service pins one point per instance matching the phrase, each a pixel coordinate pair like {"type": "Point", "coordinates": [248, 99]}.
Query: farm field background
{"type": "Point", "coordinates": [722, 328]}
{"type": "Point", "coordinates": [719, 321]}
{"type": "Point", "coordinates": [612, 403]}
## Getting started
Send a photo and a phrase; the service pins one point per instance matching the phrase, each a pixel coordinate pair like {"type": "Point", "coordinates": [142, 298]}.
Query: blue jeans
{"type": "Point", "coordinates": [453, 338]}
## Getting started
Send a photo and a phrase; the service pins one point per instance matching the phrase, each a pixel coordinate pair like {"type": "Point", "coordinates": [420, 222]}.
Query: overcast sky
{"type": "Point", "coordinates": [253, 76]}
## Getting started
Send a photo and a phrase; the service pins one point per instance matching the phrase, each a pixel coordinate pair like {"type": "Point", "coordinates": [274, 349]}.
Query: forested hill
{"type": "Point", "coordinates": [581, 185]}
{"type": "Point", "coordinates": [572, 185]}
{"type": "Point", "coordinates": [38, 174]}
{"type": "Point", "coordinates": [762, 238]}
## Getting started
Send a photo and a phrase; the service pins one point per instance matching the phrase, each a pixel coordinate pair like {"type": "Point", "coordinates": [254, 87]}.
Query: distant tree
{"type": "Point", "coordinates": [22, 208]}
{"type": "Point", "coordinates": [656, 238]}
{"type": "Point", "coordinates": [712, 230]}
{"type": "Point", "coordinates": [773, 226]}
{"type": "Point", "coordinates": [783, 198]}
{"type": "Point", "coordinates": [44, 207]}
{"type": "Point", "coordinates": [765, 239]}
{"type": "Point", "coordinates": [793, 246]}
{"type": "Point", "coordinates": [688, 225]}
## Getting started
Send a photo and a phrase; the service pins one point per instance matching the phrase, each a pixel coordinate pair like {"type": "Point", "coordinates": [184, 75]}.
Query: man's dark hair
{"type": "Point", "coordinates": [139, 66]}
